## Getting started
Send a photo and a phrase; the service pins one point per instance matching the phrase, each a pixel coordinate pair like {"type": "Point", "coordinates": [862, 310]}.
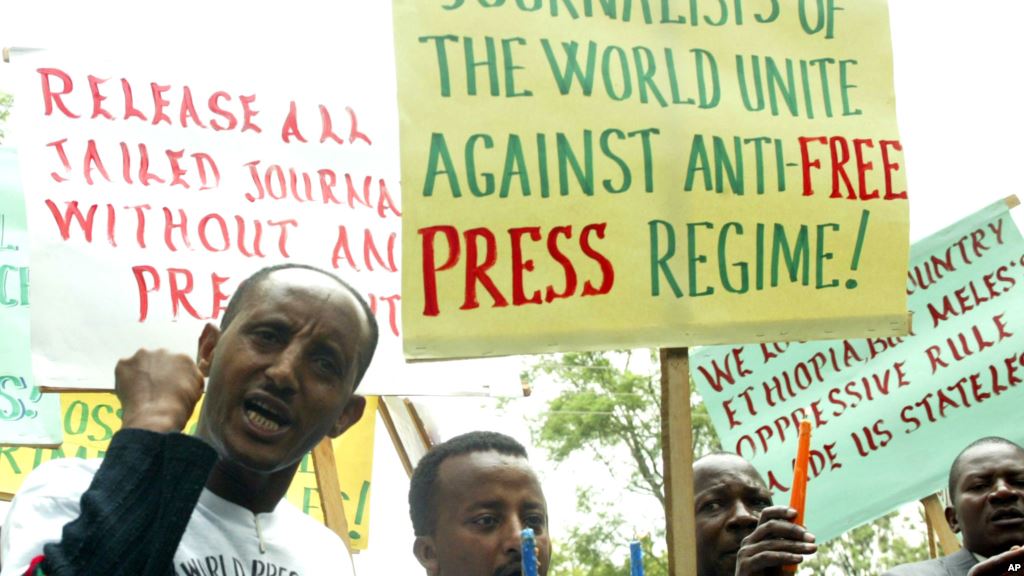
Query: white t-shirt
{"type": "Point", "coordinates": [222, 538]}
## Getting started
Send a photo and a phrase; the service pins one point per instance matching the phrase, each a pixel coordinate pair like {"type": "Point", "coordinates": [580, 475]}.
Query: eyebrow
{"type": "Point", "coordinates": [497, 503]}
{"type": "Point", "coordinates": [988, 474]}
{"type": "Point", "coordinates": [711, 489]}
{"type": "Point", "coordinates": [324, 345]}
{"type": "Point", "coordinates": [744, 491]}
{"type": "Point", "coordinates": [486, 504]}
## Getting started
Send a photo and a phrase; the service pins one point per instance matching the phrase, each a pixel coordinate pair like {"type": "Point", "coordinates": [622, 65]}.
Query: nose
{"type": "Point", "coordinates": [1002, 490]}
{"type": "Point", "coordinates": [514, 537]}
{"type": "Point", "coordinates": [742, 518]}
{"type": "Point", "coordinates": [283, 370]}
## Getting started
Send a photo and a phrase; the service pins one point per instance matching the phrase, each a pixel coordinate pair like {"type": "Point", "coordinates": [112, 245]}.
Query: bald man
{"type": "Point", "coordinates": [739, 531]}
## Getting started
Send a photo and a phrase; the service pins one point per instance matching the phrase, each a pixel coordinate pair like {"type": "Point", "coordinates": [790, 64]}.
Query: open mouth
{"type": "Point", "coordinates": [264, 416]}
{"type": "Point", "coordinates": [1007, 517]}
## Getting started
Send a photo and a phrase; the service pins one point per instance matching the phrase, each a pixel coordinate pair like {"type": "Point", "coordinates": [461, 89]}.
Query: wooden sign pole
{"type": "Point", "coordinates": [932, 551]}
{"type": "Point", "coordinates": [934, 511]}
{"type": "Point", "coordinates": [417, 421]}
{"type": "Point", "coordinates": [389, 423]}
{"type": "Point", "coordinates": [677, 455]}
{"type": "Point", "coordinates": [329, 488]}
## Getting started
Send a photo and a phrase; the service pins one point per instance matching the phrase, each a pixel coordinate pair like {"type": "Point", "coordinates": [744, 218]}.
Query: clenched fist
{"type": "Point", "coordinates": [776, 542]}
{"type": "Point", "coordinates": [158, 390]}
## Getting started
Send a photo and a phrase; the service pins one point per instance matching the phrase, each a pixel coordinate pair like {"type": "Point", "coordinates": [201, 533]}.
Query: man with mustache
{"type": "Point", "coordinates": [986, 491]}
{"type": "Point", "coordinates": [282, 370]}
{"type": "Point", "coordinates": [739, 531]}
{"type": "Point", "coordinates": [470, 498]}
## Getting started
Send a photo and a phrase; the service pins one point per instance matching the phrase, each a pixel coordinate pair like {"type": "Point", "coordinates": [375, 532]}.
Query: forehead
{"type": "Point", "coordinates": [991, 458]}
{"type": "Point", "coordinates": [487, 477]}
{"type": "Point", "coordinates": [725, 472]}
{"type": "Point", "coordinates": [306, 293]}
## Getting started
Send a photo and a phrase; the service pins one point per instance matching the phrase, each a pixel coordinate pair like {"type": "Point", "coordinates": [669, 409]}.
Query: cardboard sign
{"type": "Point", "coordinates": [588, 175]}
{"type": "Point", "coordinates": [26, 415]}
{"type": "Point", "coordinates": [155, 188]}
{"type": "Point", "coordinates": [90, 420]}
{"type": "Point", "coordinates": [889, 414]}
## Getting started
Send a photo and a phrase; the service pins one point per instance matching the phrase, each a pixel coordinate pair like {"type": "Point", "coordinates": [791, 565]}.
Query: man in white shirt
{"type": "Point", "coordinates": [282, 371]}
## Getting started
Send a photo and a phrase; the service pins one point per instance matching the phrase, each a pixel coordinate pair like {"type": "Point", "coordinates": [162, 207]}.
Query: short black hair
{"type": "Point", "coordinates": [422, 497]}
{"type": "Point", "coordinates": [238, 298]}
{"type": "Point", "coordinates": [954, 469]}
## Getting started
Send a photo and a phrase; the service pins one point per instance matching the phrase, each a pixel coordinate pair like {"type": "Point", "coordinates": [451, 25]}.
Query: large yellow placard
{"type": "Point", "coordinates": [90, 420]}
{"type": "Point", "coordinates": [583, 174]}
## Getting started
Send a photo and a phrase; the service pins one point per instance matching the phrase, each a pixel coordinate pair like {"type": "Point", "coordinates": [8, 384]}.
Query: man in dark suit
{"type": "Point", "coordinates": [986, 489]}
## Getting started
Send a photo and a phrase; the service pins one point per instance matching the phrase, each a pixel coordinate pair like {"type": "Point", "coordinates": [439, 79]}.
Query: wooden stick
{"type": "Point", "coordinates": [389, 423]}
{"type": "Point", "coordinates": [677, 454]}
{"type": "Point", "coordinates": [417, 420]}
{"type": "Point", "coordinates": [327, 485]}
{"type": "Point", "coordinates": [932, 552]}
{"type": "Point", "coordinates": [934, 510]}
{"type": "Point", "coordinates": [1012, 201]}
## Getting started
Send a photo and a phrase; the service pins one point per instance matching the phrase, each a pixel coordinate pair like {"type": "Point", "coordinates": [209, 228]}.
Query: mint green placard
{"type": "Point", "coordinates": [889, 414]}
{"type": "Point", "coordinates": [26, 416]}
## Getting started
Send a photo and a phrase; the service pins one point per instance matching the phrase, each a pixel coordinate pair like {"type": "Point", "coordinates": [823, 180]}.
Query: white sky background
{"type": "Point", "coordinates": [958, 104]}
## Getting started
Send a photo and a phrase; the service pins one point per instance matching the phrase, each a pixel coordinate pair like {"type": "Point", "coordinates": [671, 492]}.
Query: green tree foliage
{"type": "Point", "coordinates": [6, 100]}
{"type": "Point", "coordinates": [608, 411]}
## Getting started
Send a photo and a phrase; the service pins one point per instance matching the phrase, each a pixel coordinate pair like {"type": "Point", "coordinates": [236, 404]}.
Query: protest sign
{"type": "Point", "coordinates": [889, 414]}
{"type": "Point", "coordinates": [89, 421]}
{"type": "Point", "coordinates": [586, 175]}
{"type": "Point", "coordinates": [26, 415]}
{"type": "Point", "coordinates": [154, 188]}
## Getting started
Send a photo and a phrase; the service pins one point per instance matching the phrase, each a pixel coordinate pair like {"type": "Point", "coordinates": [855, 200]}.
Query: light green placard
{"type": "Point", "coordinates": [889, 414]}
{"type": "Point", "coordinates": [26, 416]}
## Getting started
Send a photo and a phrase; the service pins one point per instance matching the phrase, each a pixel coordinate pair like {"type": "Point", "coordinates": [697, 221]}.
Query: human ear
{"type": "Point", "coordinates": [426, 553]}
{"type": "Point", "coordinates": [207, 343]}
{"type": "Point", "coordinates": [952, 520]}
{"type": "Point", "coordinates": [349, 416]}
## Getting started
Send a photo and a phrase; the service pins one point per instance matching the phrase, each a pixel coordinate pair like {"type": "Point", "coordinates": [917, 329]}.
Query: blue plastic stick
{"type": "Point", "coordinates": [636, 559]}
{"type": "Point", "coordinates": [529, 553]}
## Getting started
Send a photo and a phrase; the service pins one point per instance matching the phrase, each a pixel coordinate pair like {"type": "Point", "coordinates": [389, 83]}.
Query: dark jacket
{"type": "Point", "coordinates": [956, 564]}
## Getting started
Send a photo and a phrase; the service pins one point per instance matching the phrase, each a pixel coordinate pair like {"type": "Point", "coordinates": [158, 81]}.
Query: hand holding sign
{"type": "Point", "coordinates": [158, 390]}
{"type": "Point", "coordinates": [776, 542]}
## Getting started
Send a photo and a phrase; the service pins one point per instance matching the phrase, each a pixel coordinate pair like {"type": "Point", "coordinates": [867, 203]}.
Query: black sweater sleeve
{"type": "Point", "coordinates": [135, 511]}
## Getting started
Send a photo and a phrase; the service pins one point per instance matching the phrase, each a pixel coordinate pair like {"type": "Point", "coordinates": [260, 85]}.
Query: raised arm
{"type": "Point", "coordinates": [132, 516]}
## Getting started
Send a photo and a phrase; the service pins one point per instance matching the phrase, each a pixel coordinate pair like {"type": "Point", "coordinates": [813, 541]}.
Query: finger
{"type": "Point", "coordinates": [774, 559]}
{"type": "Point", "coordinates": [778, 529]}
{"type": "Point", "coordinates": [789, 546]}
{"type": "Point", "coordinates": [777, 513]}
